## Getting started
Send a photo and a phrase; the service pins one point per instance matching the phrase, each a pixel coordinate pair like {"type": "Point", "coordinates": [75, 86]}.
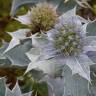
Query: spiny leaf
{"type": "Point", "coordinates": [74, 85]}
{"type": "Point", "coordinates": [2, 87]}
{"type": "Point", "coordinates": [16, 37]}
{"type": "Point", "coordinates": [18, 3]}
{"type": "Point", "coordinates": [17, 54]}
{"type": "Point", "coordinates": [4, 62]}
{"type": "Point", "coordinates": [91, 28]}
{"type": "Point", "coordinates": [64, 7]}
{"type": "Point", "coordinates": [15, 91]}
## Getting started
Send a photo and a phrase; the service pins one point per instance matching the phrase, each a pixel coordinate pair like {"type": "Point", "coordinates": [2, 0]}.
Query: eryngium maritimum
{"type": "Point", "coordinates": [67, 43]}
{"type": "Point", "coordinates": [41, 17]}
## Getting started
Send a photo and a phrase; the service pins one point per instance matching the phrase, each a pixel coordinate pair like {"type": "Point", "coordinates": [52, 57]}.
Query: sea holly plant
{"type": "Point", "coordinates": [66, 41]}
{"type": "Point", "coordinates": [54, 53]}
{"type": "Point", "coordinates": [65, 44]}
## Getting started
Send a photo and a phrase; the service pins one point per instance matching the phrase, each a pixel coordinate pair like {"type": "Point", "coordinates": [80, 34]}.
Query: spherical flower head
{"type": "Point", "coordinates": [68, 41]}
{"type": "Point", "coordinates": [43, 17]}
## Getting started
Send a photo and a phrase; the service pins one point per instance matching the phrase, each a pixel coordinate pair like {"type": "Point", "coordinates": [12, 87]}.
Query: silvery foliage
{"type": "Point", "coordinates": [17, 48]}
{"type": "Point", "coordinates": [5, 91]}
{"type": "Point", "coordinates": [59, 4]}
{"type": "Point", "coordinates": [6, 63]}
{"type": "Point", "coordinates": [16, 91]}
{"type": "Point", "coordinates": [20, 52]}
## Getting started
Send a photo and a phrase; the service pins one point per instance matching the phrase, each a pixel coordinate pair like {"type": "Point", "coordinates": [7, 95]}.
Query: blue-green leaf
{"type": "Point", "coordinates": [16, 91]}
{"type": "Point", "coordinates": [18, 3]}
{"type": "Point", "coordinates": [64, 7]}
{"type": "Point", "coordinates": [2, 87]}
{"type": "Point", "coordinates": [16, 37]}
{"type": "Point", "coordinates": [74, 85]}
{"type": "Point", "coordinates": [55, 2]}
{"type": "Point", "coordinates": [91, 28]}
{"type": "Point", "coordinates": [56, 85]}
{"type": "Point", "coordinates": [92, 56]}
{"type": "Point", "coordinates": [17, 54]}
{"type": "Point", "coordinates": [4, 62]}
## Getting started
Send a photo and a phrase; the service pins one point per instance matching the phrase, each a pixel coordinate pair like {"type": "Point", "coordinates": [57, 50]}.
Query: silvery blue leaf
{"type": "Point", "coordinates": [37, 61]}
{"type": "Point", "coordinates": [55, 2]}
{"type": "Point", "coordinates": [89, 39]}
{"type": "Point", "coordinates": [92, 91]}
{"type": "Point", "coordinates": [2, 49]}
{"type": "Point", "coordinates": [91, 28]}
{"type": "Point", "coordinates": [69, 85]}
{"type": "Point", "coordinates": [2, 87]}
{"type": "Point", "coordinates": [89, 44]}
{"type": "Point", "coordinates": [24, 19]}
{"type": "Point", "coordinates": [56, 85]}
{"type": "Point", "coordinates": [89, 48]}
{"type": "Point", "coordinates": [37, 74]}
{"type": "Point", "coordinates": [69, 13]}
{"type": "Point", "coordinates": [51, 67]}
{"type": "Point", "coordinates": [33, 54]}
{"type": "Point", "coordinates": [16, 4]}
{"type": "Point", "coordinates": [92, 56]}
{"type": "Point", "coordinates": [64, 7]}
{"type": "Point", "coordinates": [92, 86]}
{"type": "Point", "coordinates": [16, 37]}
{"type": "Point", "coordinates": [80, 65]}
{"type": "Point", "coordinates": [74, 85]}
{"type": "Point", "coordinates": [16, 91]}
{"type": "Point", "coordinates": [4, 62]}
{"type": "Point", "coordinates": [39, 41]}
{"type": "Point", "coordinates": [17, 54]}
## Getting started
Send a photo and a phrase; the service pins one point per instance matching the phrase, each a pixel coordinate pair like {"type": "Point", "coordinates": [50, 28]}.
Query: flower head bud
{"type": "Point", "coordinates": [43, 17]}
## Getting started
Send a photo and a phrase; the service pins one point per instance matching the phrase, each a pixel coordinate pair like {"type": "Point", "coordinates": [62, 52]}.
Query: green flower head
{"type": "Point", "coordinates": [69, 42]}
